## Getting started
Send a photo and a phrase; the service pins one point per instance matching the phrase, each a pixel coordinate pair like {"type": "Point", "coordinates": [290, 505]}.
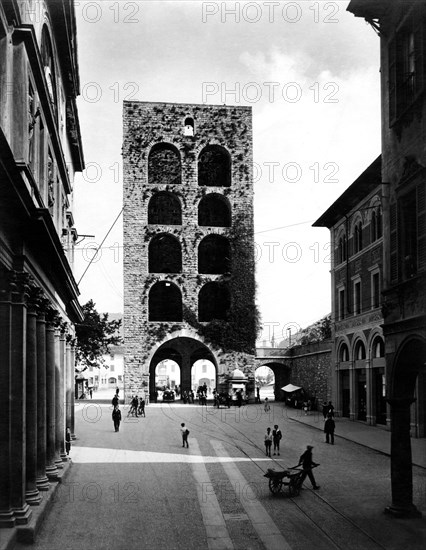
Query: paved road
{"type": "Point", "coordinates": [139, 489]}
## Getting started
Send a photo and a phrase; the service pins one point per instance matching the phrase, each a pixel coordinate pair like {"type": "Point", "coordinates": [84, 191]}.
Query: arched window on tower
{"type": "Point", "coordinates": [214, 167]}
{"type": "Point", "coordinates": [213, 302]}
{"type": "Point", "coordinates": [164, 209]}
{"type": "Point", "coordinates": [189, 127]}
{"type": "Point", "coordinates": [214, 255]}
{"type": "Point", "coordinates": [164, 254]}
{"type": "Point", "coordinates": [165, 302]}
{"type": "Point", "coordinates": [214, 211]}
{"type": "Point", "coordinates": [164, 165]}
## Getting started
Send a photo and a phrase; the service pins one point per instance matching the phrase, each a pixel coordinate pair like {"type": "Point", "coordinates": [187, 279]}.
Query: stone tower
{"type": "Point", "coordinates": [189, 289]}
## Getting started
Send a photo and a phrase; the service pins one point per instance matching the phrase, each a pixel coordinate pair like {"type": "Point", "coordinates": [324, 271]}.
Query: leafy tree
{"type": "Point", "coordinates": [319, 331]}
{"type": "Point", "coordinates": [94, 336]}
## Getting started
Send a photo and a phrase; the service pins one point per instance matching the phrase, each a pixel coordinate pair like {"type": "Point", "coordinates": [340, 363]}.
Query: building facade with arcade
{"type": "Point", "coordinates": [40, 151]}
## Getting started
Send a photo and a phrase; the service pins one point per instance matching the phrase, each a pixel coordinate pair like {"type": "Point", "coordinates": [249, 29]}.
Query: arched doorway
{"type": "Point", "coordinates": [265, 381]}
{"type": "Point", "coordinates": [281, 377]}
{"type": "Point", "coordinates": [167, 377]}
{"type": "Point", "coordinates": [185, 352]}
{"type": "Point", "coordinates": [406, 371]}
{"type": "Point", "coordinates": [203, 374]}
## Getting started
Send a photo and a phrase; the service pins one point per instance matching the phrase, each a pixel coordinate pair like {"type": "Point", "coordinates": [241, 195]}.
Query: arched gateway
{"type": "Point", "coordinates": [185, 349]}
{"type": "Point", "coordinates": [189, 289]}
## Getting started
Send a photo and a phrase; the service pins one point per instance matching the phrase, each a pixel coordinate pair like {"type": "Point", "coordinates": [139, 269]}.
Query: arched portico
{"type": "Point", "coordinates": [407, 366]}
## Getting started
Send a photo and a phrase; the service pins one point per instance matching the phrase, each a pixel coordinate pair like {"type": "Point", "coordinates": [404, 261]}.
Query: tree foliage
{"type": "Point", "coordinates": [319, 331]}
{"type": "Point", "coordinates": [95, 335]}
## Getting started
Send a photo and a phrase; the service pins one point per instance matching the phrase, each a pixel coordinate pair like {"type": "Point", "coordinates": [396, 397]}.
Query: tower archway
{"type": "Point", "coordinates": [185, 351]}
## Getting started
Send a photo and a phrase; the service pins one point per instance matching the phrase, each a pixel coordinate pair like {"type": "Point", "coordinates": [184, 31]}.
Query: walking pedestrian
{"type": "Point", "coordinates": [276, 436]}
{"type": "Point", "coordinates": [330, 409]}
{"type": "Point", "coordinates": [307, 464]}
{"type": "Point", "coordinates": [329, 428]}
{"type": "Point", "coordinates": [142, 406]}
{"type": "Point", "coordinates": [185, 432]}
{"type": "Point", "coordinates": [268, 441]}
{"type": "Point", "coordinates": [114, 401]}
{"type": "Point", "coordinates": [267, 406]}
{"type": "Point", "coordinates": [239, 398]}
{"type": "Point", "coordinates": [116, 418]}
{"type": "Point", "coordinates": [68, 440]}
{"type": "Point", "coordinates": [324, 409]}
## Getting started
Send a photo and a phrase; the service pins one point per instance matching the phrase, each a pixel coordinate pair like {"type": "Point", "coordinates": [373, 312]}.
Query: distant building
{"type": "Point", "coordinates": [358, 362]}
{"type": "Point", "coordinates": [40, 151]}
{"type": "Point", "coordinates": [401, 27]}
{"type": "Point", "coordinates": [188, 241]}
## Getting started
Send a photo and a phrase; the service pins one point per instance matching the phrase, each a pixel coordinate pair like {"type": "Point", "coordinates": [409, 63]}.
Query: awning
{"type": "Point", "coordinates": [290, 388]}
{"type": "Point", "coordinates": [238, 386]}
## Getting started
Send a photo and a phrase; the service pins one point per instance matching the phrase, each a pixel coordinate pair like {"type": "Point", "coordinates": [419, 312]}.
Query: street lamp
{"type": "Point", "coordinates": [289, 336]}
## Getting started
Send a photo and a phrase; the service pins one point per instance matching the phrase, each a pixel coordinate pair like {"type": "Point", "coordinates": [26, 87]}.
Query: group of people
{"type": "Point", "coordinates": [137, 406]}
{"type": "Point", "coordinates": [273, 437]}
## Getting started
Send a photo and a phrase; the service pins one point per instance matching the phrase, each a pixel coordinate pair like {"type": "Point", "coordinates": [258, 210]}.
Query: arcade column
{"type": "Point", "coordinates": [51, 469]}
{"type": "Point", "coordinates": [20, 507]}
{"type": "Point", "coordinates": [401, 460]}
{"type": "Point", "coordinates": [6, 514]}
{"type": "Point", "coordinates": [32, 494]}
{"type": "Point", "coordinates": [42, 480]}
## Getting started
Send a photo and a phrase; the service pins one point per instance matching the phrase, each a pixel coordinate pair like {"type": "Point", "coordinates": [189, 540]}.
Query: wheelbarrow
{"type": "Point", "coordinates": [291, 478]}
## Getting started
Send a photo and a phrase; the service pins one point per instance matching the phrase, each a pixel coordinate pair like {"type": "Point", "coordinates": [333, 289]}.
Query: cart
{"type": "Point", "coordinates": [292, 479]}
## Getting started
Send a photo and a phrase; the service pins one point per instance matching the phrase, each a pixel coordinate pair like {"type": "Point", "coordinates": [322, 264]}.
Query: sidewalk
{"type": "Point", "coordinates": [373, 437]}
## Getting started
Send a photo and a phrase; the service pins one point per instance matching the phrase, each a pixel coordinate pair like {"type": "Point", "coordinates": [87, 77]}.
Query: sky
{"type": "Point", "coordinates": [310, 72]}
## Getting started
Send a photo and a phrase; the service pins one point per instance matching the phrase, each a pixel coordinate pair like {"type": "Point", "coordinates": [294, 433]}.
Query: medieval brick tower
{"type": "Point", "coordinates": [189, 289]}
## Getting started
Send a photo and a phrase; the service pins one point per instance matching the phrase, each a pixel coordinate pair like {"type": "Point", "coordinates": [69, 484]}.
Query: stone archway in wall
{"type": "Point", "coordinates": [407, 371]}
{"type": "Point", "coordinates": [281, 373]}
{"type": "Point", "coordinates": [185, 351]}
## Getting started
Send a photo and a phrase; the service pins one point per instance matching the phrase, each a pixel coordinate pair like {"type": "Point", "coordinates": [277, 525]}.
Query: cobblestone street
{"type": "Point", "coordinates": [139, 488]}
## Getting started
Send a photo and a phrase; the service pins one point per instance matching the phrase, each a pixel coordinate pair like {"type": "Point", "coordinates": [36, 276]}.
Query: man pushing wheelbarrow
{"type": "Point", "coordinates": [294, 477]}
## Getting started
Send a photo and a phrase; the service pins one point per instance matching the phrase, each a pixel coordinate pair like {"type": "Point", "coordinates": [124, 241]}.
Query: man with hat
{"type": "Point", "coordinates": [307, 465]}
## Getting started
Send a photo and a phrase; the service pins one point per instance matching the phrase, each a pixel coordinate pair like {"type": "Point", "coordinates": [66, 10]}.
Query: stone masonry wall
{"type": "Point", "coordinates": [146, 124]}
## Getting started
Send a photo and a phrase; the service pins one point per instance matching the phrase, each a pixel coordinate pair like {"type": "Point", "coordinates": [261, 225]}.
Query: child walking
{"type": "Point", "coordinates": [185, 432]}
{"type": "Point", "coordinates": [268, 441]}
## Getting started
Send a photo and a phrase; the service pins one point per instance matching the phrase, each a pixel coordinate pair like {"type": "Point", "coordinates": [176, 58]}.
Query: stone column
{"type": "Point", "coordinates": [72, 392]}
{"type": "Point", "coordinates": [401, 460]}
{"type": "Point", "coordinates": [32, 494]}
{"type": "Point", "coordinates": [371, 392]}
{"type": "Point", "coordinates": [185, 373]}
{"type": "Point", "coordinates": [20, 507]}
{"type": "Point", "coordinates": [42, 480]}
{"type": "Point", "coordinates": [51, 469]}
{"type": "Point", "coordinates": [352, 392]}
{"type": "Point", "coordinates": [68, 385]}
{"type": "Point", "coordinates": [6, 514]}
{"type": "Point", "coordinates": [60, 405]}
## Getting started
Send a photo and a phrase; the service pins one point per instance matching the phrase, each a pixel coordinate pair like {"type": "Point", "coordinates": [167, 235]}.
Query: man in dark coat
{"type": "Point", "coordinates": [116, 418]}
{"type": "Point", "coordinates": [307, 465]}
{"type": "Point", "coordinates": [329, 427]}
